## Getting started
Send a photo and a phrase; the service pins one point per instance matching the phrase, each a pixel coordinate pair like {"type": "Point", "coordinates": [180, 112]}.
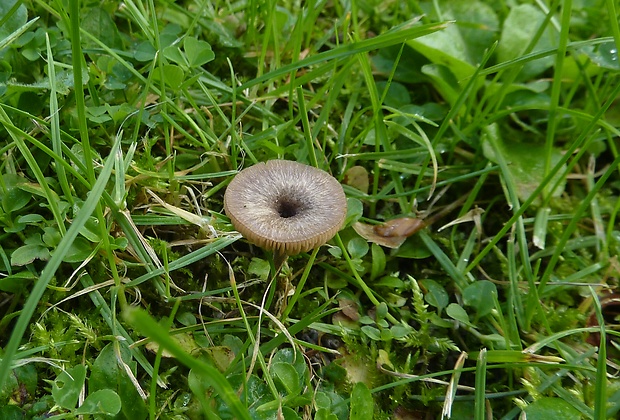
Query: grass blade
{"type": "Point", "coordinates": [50, 269]}
{"type": "Point", "coordinates": [147, 326]}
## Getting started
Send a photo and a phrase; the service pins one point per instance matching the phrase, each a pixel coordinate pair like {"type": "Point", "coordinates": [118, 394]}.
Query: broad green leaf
{"type": "Point", "coordinates": [100, 24]}
{"type": "Point", "coordinates": [234, 343]}
{"type": "Point", "coordinates": [221, 356]}
{"type": "Point", "coordinates": [143, 322]}
{"type": "Point", "coordinates": [408, 67]}
{"type": "Point", "coordinates": [186, 318]}
{"type": "Point", "coordinates": [436, 294]}
{"type": "Point", "coordinates": [372, 332]}
{"type": "Point", "coordinates": [98, 114]}
{"type": "Point", "coordinates": [145, 52]}
{"type": "Point", "coordinates": [355, 210]}
{"type": "Point", "coordinates": [31, 219]}
{"type": "Point", "coordinates": [414, 248]}
{"type": "Point", "coordinates": [397, 95]}
{"type": "Point", "coordinates": [518, 30]}
{"type": "Point", "coordinates": [324, 414]}
{"type": "Point", "coordinates": [381, 310]}
{"type": "Point", "coordinates": [357, 247]}
{"type": "Point", "coordinates": [15, 199]}
{"type": "Point", "coordinates": [362, 404]}
{"type": "Point", "coordinates": [551, 408]}
{"type": "Point", "coordinates": [197, 52]}
{"type": "Point", "coordinates": [11, 412]}
{"type": "Point", "coordinates": [440, 322]}
{"type": "Point", "coordinates": [378, 261]}
{"type": "Point", "coordinates": [173, 53]}
{"type": "Point", "coordinates": [604, 55]}
{"type": "Point", "coordinates": [526, 163]}
{"type": "Point", "coordinates": [287, 376]}
{"type": "Point", "coordinates": [108, 374]}
{"type": "Point", "coordinates": [174, 75]}
{"type": "Point", "coordinates": [104, 402]}
{"type": "Point", "coordinates": [23, 379]}
{"type": "Point", "coordinates": [400, 331]}
{"type": "Point", "coordinates": [457, 312]}
{"type": "Point", "coordinates": [90, 230]}
{"type": "Point", "coordinates": [386, 335]}
{"type": "Point", "coordinates": [26, 254]}
{"type": "Point", "coordinates": [15, 21]}
{"type": "Point", "coordinates": [390, 282]}
{"type": "Point", "coordinates": [79, 250]}
{"type": "Point", "coordinates": [51, 236]}
{"type": "Point", "coordinates": [15, 282]}
{"type": "Point", "coordinates": [460, 46]}
{"type": "Point", "coordinates": [288, 414]}
{"type": "Point", "coordinates": [259, 268]}
{"type": "Point", "coordinates": [480, 295]}
{"type": "Point", "coordinates": [444, 80]}
{"type": "Point", "coordinates": [170, 34]}
{"type": "Point", "coordinates": [395, 300]}
{"type": "Point", "coordinates": [427, 113]}
{"type": "Point", "coordinates": [331, 403]}
{"type": "Point", "coordinates": [293, 357]}
{"type": "Point", "coordinates": [68, 385]}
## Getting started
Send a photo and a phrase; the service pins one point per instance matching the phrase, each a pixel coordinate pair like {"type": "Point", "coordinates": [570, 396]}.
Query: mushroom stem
{"type": "Point", "coordinates": [300, 286]}
{"type": "Point", "coordinates": [279, 258]}
{"type": "Point", "coordinates": [276, 285]}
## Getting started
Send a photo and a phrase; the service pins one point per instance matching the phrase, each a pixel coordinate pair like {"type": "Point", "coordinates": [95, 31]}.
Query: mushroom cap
{"type": "Point", "coordinates": [285, 206]}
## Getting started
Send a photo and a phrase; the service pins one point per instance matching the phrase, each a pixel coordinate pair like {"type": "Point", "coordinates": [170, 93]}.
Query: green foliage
{"type": "Point", "coordinates": [361, 402]}
{"type": "Point", "coordinates": [481, 296]}
{"type": "Point", "coordinates": [21, 385]}
{"type": "Point", "coordinates": [103, 402]}
{"type": "Point", "coordinates": [522, 34]}
{"type": "Point", "coordinates": [546, 408]}
{"type": "Point", "coordinates": [460, 47]}
{"type": "Point", "coordinates": [527, 164]}
{"type": "Point", "coordinates": [67, 387]}
{"type": "Point", "coordinates": [110, 373]}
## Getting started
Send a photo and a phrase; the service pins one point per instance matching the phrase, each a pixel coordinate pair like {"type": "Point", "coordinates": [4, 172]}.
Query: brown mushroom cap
{"type": "Point", "coordinates": [285, 206]}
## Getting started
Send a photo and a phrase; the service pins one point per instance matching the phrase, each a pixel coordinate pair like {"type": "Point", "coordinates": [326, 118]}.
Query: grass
{"type": "Point", "coordinates": [485, 134]}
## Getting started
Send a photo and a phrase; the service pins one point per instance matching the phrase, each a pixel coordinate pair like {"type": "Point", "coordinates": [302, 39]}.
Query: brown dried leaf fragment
{"type": "Point", "coordinates": [390, 234]}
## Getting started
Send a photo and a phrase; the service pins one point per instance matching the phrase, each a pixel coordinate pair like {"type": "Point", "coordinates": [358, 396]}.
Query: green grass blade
{"type": "Point", "coordinates": [441, 257]}
{"type": "Point", "coordinates": [17, 33]}
{"type": "Point", "coordinates": [199, 254]}
{"type": "Point", "coordinates": [579, 142]}
{"type": "Point", "coordinates": [568, 231]}
{"type": "Point", "coordinates": [376, 43]}
{"type": "Point", "coordinates": [80, 105]}
{"type": "Point", "coordinates": [55, 127]}
{"type": "Point", "coordinates": [49, 271]}
{"type": "Point", "coordinates": [143, 322]}
{"type": "Point", "coordinates": [600, 387]}
{"type": "Point", "coordinates": [481, 386]}
{"type": "Point", "coordinates": [51, 197]}
{"type": "Point", "coordinates": [556, 87]}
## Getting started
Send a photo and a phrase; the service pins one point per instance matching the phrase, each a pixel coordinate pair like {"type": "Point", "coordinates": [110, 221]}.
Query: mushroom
{"type": "Point", "coordinates": [285, 207]}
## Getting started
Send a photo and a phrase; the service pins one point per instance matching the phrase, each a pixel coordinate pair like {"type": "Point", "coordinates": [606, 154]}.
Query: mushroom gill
{"type": "Point", "coordinates": [285, 206]}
